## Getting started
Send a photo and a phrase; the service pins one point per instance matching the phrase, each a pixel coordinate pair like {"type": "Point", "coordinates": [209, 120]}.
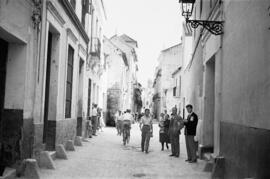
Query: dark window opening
{"type": "Point", "coordinates": [47, 87]}
{"type": "Point", "coordinates": [179, 86]}
{"type": "Point", "coordinates": [85, 9]}
{"type": "Point", "coordinates": [69, 82]}
{"type": "Point", "coordinates": [174, 91]}
{"type": "Point", "coordinates": [89, 97]}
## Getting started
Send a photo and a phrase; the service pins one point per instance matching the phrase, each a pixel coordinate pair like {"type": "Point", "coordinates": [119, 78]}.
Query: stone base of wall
{"type": "Point", "coordinates": [79, 126]}
{"type": "Point", "coordinates": [65, 130]}
{"type": "Point", "coordinates": [27, 138]}
{"type": "Point", "coordinates": [246, 151]}
{"type": "Point", "coordinates": [10, 136]}
{"type": "Point", "coordinates": [60, 131]}
{"type": "Point", "coordinates": [50, 135]}
{"type": "Point", "coordinates": [38, 145]}
{"type": "Point", "coordinates": [84, 121]}
{"type": "Point", "coordinates": [81, 122]}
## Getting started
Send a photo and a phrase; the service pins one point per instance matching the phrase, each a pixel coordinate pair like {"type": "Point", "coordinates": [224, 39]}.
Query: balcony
{"type": "Point", "coordinates": [95, 47]}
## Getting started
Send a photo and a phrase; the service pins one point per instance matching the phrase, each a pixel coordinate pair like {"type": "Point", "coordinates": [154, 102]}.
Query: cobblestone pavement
{"type": "Point", "coordinates": [104, 156]}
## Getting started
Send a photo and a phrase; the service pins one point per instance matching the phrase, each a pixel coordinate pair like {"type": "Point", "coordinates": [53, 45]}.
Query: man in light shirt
{"type": "Point", "coordinates": [147, 130]}
{"type": "Point", "coordinates": [127, 121]}
{"type": "Point", "coordinates": [127, 116]}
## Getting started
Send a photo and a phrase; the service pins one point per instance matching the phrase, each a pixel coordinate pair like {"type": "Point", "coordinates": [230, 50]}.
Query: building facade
{"type": "Point", "coordinates": [117, 84]}
{"type": "Point", "coordinates": [46, 63]}
{"type": "Point", "coordinates": [95, 76]}
{"type": "Point", "coordinates": [225, 78]}
{"type": "Point", "coordinates": [147, 95]}
{"type": "Point", "coordinates": [165, 94]}
{"type": "Point", "coordinates": [19, 46]}
{"type": "Point", "coordinates": [156, 108]}
{"type": "Point", "coordinates": [128, 46]}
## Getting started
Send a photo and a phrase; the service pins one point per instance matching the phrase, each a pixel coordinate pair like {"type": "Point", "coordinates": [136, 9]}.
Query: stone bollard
{"type": "Point", "coordinates": [46, 161]}
{"type": "Point", "coordinates": [78, 141]}
{"type": "Point", "coordinates": [61, 151]}
{"type": "Point", "coordinates": [70, 145]}
{"type": "Point", "coordinates": [31, 169]}
{"type": "Point", "coordinates": [219, 168]}
{"type": "Point", "coordinates": [9, 173]}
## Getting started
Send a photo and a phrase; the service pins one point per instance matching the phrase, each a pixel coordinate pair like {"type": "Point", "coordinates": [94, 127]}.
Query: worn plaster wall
{"type": "Point", "coordinates": [17, 29]}
{"type": "Point", "coordinates": [65, 34]}
{"type": "Point", "coordinates": [245, 89]}
{"type": "Point", "coordinates": [169, 60]}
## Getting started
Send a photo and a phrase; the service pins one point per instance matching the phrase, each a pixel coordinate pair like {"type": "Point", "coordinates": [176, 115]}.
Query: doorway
{"type": "Point", "coordinates": [3, 67]}
{"type": "Point", "coordinates": [209, 103]}
{"type": "Point", "coordinates": [47, 87]}
{"type": "Point", "coordinates": [89, 98]}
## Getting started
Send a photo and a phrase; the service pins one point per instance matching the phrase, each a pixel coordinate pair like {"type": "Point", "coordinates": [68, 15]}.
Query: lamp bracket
{"type": "Point", "coordinates": [214, 27]}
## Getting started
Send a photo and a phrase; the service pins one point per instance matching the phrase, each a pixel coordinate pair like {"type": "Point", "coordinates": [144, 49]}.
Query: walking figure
{"type": "Point", "coordinates": [146, 126]}
{"type": "Point", "coordinates": [127, 121]}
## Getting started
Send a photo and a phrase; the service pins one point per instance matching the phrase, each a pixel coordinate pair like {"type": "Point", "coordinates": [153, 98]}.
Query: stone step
{"type": "Point", "coordinates": [53, 154]}
{"type": "Point", "coordinates": [207, 156]}
{"type": "Point", "coordinates": [209, 162]}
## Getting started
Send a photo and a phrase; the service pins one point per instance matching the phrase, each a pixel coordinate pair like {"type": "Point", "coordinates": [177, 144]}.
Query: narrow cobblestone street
{"type": "Point", "coordinates": [104, 156]}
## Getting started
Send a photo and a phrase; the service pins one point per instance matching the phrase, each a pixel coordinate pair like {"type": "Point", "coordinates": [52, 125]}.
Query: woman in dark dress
{"type": "Point", "coordinates": [164, 124]}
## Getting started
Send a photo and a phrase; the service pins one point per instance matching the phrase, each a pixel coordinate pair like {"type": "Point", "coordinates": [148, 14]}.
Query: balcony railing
{"type": "Point", "coordinates": [95, 47]}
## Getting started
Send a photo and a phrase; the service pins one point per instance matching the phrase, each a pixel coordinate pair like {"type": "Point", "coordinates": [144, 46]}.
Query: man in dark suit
{"type": "Point", "coordinates": [190, 132]}
{"type": "Point", "coordinates": [176, 124]}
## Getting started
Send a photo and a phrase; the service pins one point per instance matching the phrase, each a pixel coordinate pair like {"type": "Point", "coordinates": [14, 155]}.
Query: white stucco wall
{"type": "Point", "coordinates": [246, 65]}
{"type": "Point", "coordinates": [17, 29]}
{"type": "Point", "coordinates": [169, 60]}
{"type": "Point", "coordinates": [65, 34]}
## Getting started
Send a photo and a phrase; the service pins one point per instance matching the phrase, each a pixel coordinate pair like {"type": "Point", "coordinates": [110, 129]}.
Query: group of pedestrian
{"type": "Point", "coordinates": [95, 122]}
{"type": "Point", "coordinates": [119, 117]}
{"type": "Point", "coordinates": [145, 124]}
{"type": "Point", "coordinates": [170, 130]}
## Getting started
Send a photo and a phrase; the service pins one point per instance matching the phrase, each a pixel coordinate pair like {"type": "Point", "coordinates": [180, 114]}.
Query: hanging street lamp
{"type": "Point", "coordinates": [214, 27]}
